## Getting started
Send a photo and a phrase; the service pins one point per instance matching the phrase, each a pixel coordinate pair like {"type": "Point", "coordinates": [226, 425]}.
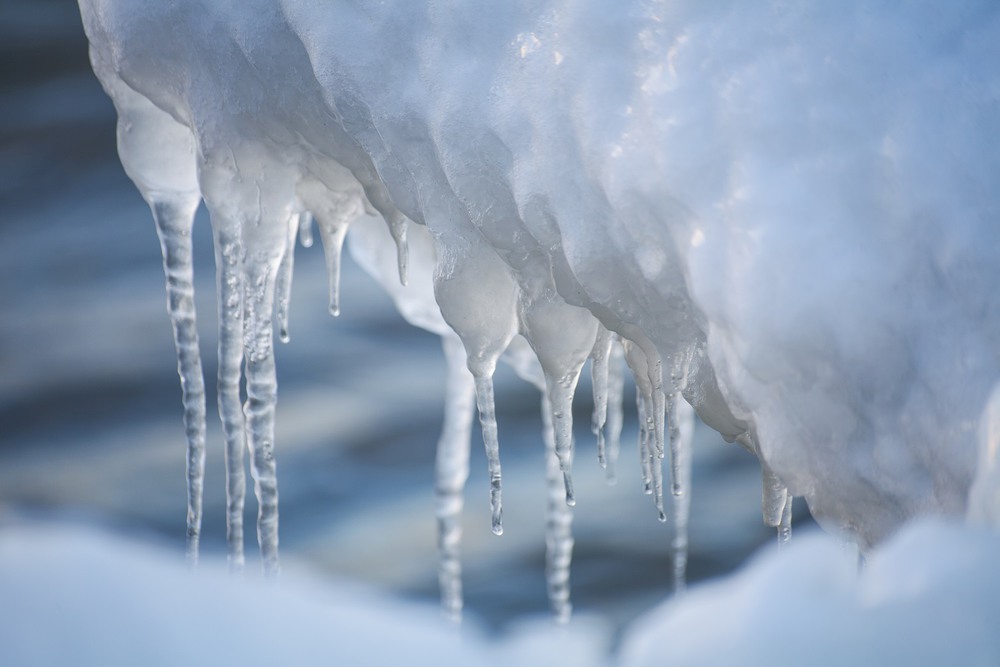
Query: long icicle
{"type": "Point", "coordinates": [174, 220]}
{"type": "Point", "coordinates": [560, 394]}
{"type": "Point", "coordinates": [488, 422]}
{"type": "Point", "coordinates": [262, 392]}
{"type": "Point", "coordinates": [284, 280]}
{"type": "Point", "coordinates": [681, 420]}
{"type": "Point", "coordinates": [645, 406]}
{"type": "Point", "coordinates": [616, 413]}
{"type": "Point", "coordinates": [451, 473]}
{"type": "Point", "coordinates": [228, 258]}
{"type": "Point", "coordinates": [558, 524]}
{"type": "Point", "coordinates": [644, 457]}
{"type": "Point", "coordinates": [654, 463]}
{"type": "Point", "coordinates": [600, 358]}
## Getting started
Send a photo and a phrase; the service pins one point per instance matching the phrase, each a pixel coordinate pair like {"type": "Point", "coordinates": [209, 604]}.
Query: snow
{"type": "Point", "coordinates": [86, 597]}
{"type": "Point", "coordinates": [929, 596]}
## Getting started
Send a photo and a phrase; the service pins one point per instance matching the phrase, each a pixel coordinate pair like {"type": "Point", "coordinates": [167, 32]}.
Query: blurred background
{"type": "Point", "coordinates": [90, 411]}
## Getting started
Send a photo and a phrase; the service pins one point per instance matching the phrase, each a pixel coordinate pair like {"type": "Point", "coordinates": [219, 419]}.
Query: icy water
{"type": "Point", "coordinates": [90, 410]}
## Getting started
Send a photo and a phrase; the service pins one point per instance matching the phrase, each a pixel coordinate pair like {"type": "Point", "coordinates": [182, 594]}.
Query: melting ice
{"type": "Point", "coordinates": [784, 219]}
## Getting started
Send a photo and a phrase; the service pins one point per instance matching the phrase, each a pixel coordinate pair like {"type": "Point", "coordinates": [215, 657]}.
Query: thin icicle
{"type": "Point", "coordinates": [261, 384]}
{"type": "Point", "coordinates": [600, 358]}
{"type": "Point", "coordinates": [646, 408]}
{"type": "Point", "coordinates": [644, 458]}
{"type": "Point", "coordinates": [785, 527]}
{"type": "Point", "coordinates": [558, 524]}
{"type": "Point", "coordinates": [228, 257]}
{"type": "Point", "coordinates": [615, 421]}
{"type": "Point", "coordinates": [174, 221]}
{"type": "Point", "coordinates": [774, 496]}
{"type": "Point", "coordinates": [659, 408]}
{"type": "Point", "coordinates": [332, 233]}
{"type": "Point", "coordinates": [488, 421]}
{"type": "Point", "coordinates": [451, 474]}
{"type": "Point", "coordinates": [306, 229]}
{"type": "Point", "coordinates": [560, 392]}
{"type": "Point", "coordinates": [681, 417]}
{"type": "Point", "coordinates": [284, 281]}
{"type": "Point", "coordinates": [397, 227]}
{"type": "Point", "coordinates": [656, 474]}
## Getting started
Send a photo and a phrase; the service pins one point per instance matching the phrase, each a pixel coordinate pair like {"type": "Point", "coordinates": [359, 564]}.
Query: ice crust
{"type": "Point", "coordinates": [790, 212]}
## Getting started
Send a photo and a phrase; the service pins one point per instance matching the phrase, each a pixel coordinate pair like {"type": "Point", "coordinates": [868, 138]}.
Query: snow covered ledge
{"type": "Point", "coordinates": [789, 212]}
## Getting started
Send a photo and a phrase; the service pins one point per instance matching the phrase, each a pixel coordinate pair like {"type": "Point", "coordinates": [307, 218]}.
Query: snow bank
{"type": "Point", "coordinates": [790, 212]}
{"type": "Point", "coordinates": [930, 596]}
{"type": "Point", "coordinates": [77, 596]}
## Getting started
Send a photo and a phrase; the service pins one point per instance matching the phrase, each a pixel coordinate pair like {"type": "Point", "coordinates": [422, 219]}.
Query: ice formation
{"type": "Point", "coordinates": [787, 213]}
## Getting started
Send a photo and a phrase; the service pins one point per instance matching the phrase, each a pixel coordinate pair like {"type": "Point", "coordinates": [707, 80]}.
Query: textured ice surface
{"type": "Point", "coordinates": [789, 212]}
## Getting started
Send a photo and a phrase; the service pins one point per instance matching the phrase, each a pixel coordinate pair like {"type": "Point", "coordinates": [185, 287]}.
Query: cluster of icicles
{"type": "Point", "coordinates": [671, 172]}
{"type": "Point", "coordinates": [249, 301]}
{"type": "Point", "coordinates": [483, 318]}
{"type": "Point", "coordinates": [251, 293]}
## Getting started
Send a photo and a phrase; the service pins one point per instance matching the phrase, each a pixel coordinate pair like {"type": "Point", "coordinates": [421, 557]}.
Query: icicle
{"type": "Point", "coordinates": [681, 417]}
{"type": "Point", "coordinates": [774, 496]}
{"type": "Point", "coordinates": [616, 390]}
{"type": "Point", "coordinates": [656, 473]}
{"type": "Point", "coordinates": [558, 524]}
{"type": "Point", "coordinates": [284, 280]}
{"type": "Point", "coordinates": [174, 220]}
{"type": "Point", "coordinates": [228, 257]}
{"type": "Point", "coordinates": [332, 232]}
{"type": "Point", "coordinates": [646, 404]}
{"type": "Point", "coordinates": [785, 527]}
{"type": "Point", "coordinates": [488, 422]}
{"type": "Point", "coordinates": [644, 459]}
{"type": "Point", "coordinates": [451, 473]}
{"type": "Point", "coordinates": [563, 338]}
{"type": "Point", "coordinates": [560, 392]}
{"type": "Point", "coordinates": [261, 385]}
{"type": "Point", "coordinates": [306, 229]}
{"type": "Point", "coordinates": [600, 358]}
{"type": "Point", "coordinates": [397, 227]}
